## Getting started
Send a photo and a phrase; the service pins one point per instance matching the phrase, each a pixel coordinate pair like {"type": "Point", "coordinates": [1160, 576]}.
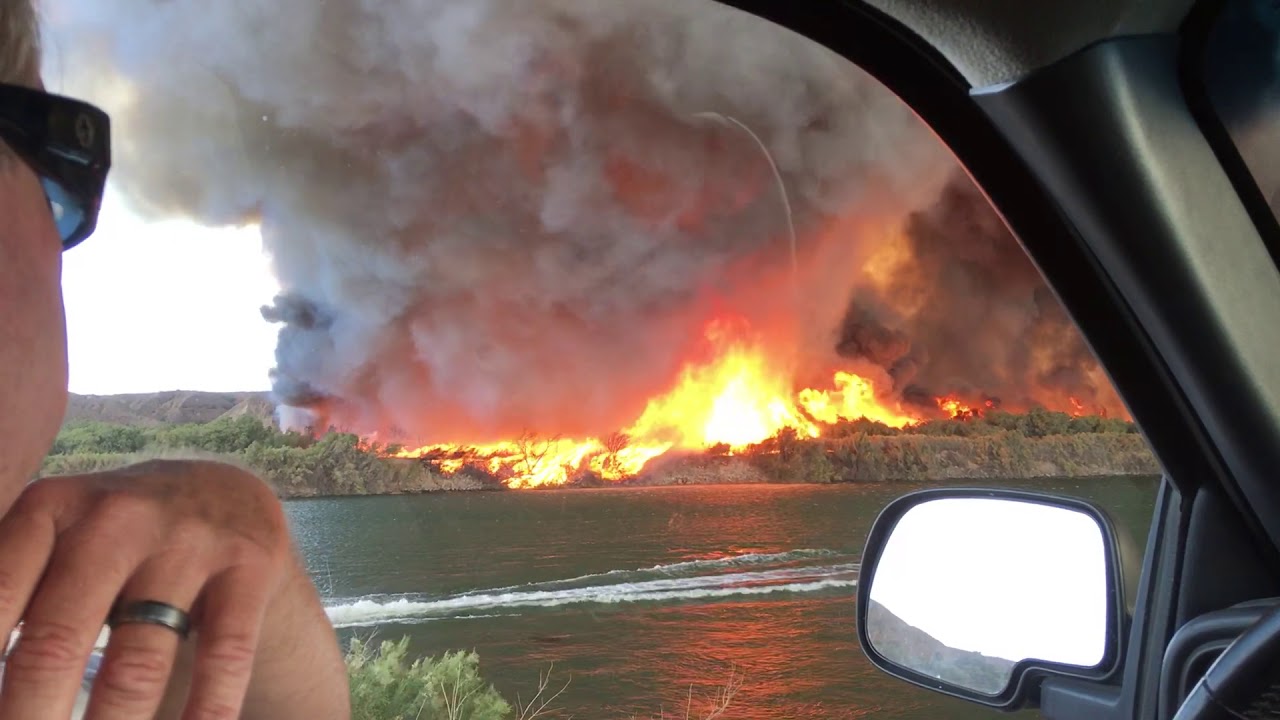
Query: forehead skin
{"type": "Point", "coordinates": [33, 352]}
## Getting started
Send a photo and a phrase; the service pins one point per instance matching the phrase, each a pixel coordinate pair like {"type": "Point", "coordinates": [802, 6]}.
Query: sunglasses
{"type": "Point", "coordinates": [68, 145]}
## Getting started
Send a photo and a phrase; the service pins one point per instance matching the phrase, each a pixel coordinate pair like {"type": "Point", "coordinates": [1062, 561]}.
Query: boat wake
{"type": "Point", "coordinates": [797, 571]}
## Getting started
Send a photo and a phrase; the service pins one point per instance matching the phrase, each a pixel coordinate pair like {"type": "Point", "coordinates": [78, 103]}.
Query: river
{"type": "Point", "coordinates": [637, 595]}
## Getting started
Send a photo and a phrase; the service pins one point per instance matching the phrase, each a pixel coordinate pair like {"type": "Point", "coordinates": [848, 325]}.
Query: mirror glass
{"type": "Point", "coordinates": [967, 587]}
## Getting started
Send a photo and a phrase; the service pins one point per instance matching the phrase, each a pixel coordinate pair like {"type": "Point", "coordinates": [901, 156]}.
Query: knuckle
{"type": "Point", "coordinates": [188, 536]}
{"type": "Point", "coordinates": [136, 674]}
{"type": "Point", "coordinates": [122, 507]}
{"type": "Point", "coordinates": [123, 519]}
{"type": "Point", "coordinates": [105, 549]}
{"type": "Point", "coordinates": [39, 496]}
{"type": "Point", "coordinates": [225, 669]}
{"type": "Point", "coordinates": [267, 524]}
{"type": "Point", "coordinates": [47, 648]}
{"type": "Point", "coordinates": [249, 553]}
{"type": "Point", "coordinates": [231, 655]}
{"type": "Point", "coordinates": [214, 709]}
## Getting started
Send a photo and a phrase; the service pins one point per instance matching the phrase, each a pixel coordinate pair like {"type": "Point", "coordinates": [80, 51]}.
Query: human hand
{"type": "Point", "coordinates": [203, 536]}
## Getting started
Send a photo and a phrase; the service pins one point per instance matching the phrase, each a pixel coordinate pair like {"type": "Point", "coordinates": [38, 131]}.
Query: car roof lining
{"type": "Point", "coordinates": [993, 42]}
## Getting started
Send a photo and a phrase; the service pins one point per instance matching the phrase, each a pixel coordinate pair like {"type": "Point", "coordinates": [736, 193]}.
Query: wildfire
{"type": "Point", "coordinates": [738, 398]}
{"type": "Point", "coordinates": [954, 408]}
{"type": "Point", "coordinates": [853, 397]}
{"type": "Point", "coordinates": [958, 410]}
{"type": "Point", "coordinates": [531, 461]}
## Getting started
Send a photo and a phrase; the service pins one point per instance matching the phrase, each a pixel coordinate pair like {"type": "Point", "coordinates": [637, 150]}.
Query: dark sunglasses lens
{"type": "Point", "coordinates": [68, 212]}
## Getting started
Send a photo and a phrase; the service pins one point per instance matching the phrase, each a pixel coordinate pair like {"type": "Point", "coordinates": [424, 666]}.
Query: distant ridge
{"type": "Point", "coordinates": [170, 408]}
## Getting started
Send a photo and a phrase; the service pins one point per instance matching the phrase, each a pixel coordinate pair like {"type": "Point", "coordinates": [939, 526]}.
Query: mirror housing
{"type": "Point", "coordinates": [981, 593]}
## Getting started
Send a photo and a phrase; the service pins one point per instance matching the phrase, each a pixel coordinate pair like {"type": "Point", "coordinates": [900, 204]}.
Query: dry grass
{"type": "Point", "coordinates": [712, 708]}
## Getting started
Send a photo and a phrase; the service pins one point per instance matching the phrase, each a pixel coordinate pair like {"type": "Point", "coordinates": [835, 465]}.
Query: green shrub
{"type": "Point", "coordinates": [1039, 422]}
{"type": "Point", "coordinates": [971, 427]}
{"type": "Point", "coordinates": [385, 685]}
{"type": "Point", "coordinates": [81, 463]}
{"type": "Point", "coordinates": [224, 435]}
{"type": "Point", "coordinates": [98, 437]}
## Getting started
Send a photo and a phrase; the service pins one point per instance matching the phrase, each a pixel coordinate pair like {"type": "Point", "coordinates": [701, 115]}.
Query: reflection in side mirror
{"type": "Point", "coordinates": [963, 588]}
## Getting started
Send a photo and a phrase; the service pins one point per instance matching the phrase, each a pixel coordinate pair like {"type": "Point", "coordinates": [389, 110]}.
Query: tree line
{"type": "Point", "coordinates": [999, 444]}
{"type": "Point", "coordinates": [296, 464]}
{"type": "Point", "coordinates": [1035, 423]}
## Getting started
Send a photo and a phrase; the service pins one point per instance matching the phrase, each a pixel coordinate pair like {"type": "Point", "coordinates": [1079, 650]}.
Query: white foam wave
{"type": "Point", "coordinates": [367, 611]}
{"type": "Point", "coordinates": [684, 567]}
{"type": "Point", "coordinates": [738, 560]}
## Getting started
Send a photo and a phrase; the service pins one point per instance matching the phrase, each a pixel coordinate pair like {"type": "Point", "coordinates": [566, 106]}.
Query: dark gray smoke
{"type": "Point", "coordinates": [966, 313]}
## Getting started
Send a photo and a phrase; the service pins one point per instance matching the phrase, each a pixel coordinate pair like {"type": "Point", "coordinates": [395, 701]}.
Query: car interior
{"type": "Point", "coordinates": [1128, 145]}
{"type": "Point", "coordinates": [1133, 148]}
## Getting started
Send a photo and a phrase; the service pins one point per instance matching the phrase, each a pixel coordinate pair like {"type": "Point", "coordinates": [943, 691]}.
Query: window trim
{"type": "Point", "coordinates": [1196, 30]}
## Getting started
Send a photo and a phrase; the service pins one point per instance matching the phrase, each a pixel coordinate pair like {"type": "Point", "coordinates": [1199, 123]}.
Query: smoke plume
{"type": "Point", "coordinates": [963, 311]}
{"type": "Point", "coordinates": [489, 216]}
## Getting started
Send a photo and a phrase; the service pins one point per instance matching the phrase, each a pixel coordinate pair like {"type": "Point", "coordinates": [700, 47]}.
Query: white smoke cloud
{"type": "Point", "coordinates": [492, 215]}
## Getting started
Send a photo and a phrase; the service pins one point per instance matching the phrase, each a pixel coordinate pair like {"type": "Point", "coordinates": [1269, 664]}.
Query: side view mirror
{"type": "Point", "coordinates": [977, 593]}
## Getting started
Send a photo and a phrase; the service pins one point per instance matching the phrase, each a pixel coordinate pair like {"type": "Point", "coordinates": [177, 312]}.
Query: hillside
{"type": "Point", "coordinates": [913, 648]}
{"type": "Point", "coordinates": [168, 408]}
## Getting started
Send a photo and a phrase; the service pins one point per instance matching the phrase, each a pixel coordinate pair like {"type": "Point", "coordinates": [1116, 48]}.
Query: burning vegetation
{"type": "Point", "coordinates": [734, 403]}
{"type": "Point", "coordinates": [1038, 443]}
{"type": "Point", "coordinates": [736, 400]}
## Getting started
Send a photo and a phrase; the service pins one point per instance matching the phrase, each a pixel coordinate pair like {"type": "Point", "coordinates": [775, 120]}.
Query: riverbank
{"type": "Point", "coordinates": [341, 465]}
{"type": "Point", "coordinates": [913, 458]}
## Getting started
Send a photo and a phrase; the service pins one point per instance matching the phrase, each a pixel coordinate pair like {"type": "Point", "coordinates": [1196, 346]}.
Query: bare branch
{"type": "Point", "coordinates": [538, 706]}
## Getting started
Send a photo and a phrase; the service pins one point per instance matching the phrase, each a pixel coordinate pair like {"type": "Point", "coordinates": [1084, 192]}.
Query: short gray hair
{"type": "Point", "coordinates": [19, 52]}
{"type": "Point", "coordinates": [19, 42]}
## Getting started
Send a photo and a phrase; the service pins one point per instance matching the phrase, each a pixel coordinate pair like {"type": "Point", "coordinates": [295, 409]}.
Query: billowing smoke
{"type": "Point", "coordinates": [963, 311]}
{"type": "Point", "coordinates": [489, 216]}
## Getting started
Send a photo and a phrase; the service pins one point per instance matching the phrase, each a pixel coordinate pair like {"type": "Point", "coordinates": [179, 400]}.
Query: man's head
{"type": "Point", "coordinates": [33, 353]}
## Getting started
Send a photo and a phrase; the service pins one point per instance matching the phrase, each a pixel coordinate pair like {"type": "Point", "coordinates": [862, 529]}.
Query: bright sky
{"type": "Point", "coordinates": [167, 306]}
{"type": "Point", "coordinates": [159, 305]}
{"type": "Point", "coordinates": [1007, 579]}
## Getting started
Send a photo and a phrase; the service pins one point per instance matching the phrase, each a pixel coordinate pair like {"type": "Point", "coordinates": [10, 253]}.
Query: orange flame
{"type": "Point", "coordinates": [1077, 407]}
{"type": "Point", "coordinates": [957, 409]}
{"type": "Point", "coordinates": [739, 398]}
{"type": "Point", "coordinates": [954, 408]}
{"type": "Point", "coordinates": [854, 397]}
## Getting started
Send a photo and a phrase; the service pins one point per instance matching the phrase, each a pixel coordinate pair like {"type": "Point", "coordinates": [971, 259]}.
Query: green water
{"type": "Point", "coordinates": [628, 593]}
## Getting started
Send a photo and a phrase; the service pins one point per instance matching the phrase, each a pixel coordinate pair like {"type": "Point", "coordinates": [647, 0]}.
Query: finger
{"type": "Point", "coordinates": [229, 624]}
{"type": "Point", "coordinates": [26, 543]}
{"type": "Point", "coordinates": [139, 658]}
{"type": "Point", "coordinates": [44, 672]}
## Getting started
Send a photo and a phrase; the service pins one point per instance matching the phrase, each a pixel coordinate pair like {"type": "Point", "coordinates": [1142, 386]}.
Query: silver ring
{"type": "Point", "coordinates": [150, 612]}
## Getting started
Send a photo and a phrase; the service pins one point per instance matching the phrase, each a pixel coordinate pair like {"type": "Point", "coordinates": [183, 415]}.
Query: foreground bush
{"type": "Point", "coordinates": [385, 685]}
